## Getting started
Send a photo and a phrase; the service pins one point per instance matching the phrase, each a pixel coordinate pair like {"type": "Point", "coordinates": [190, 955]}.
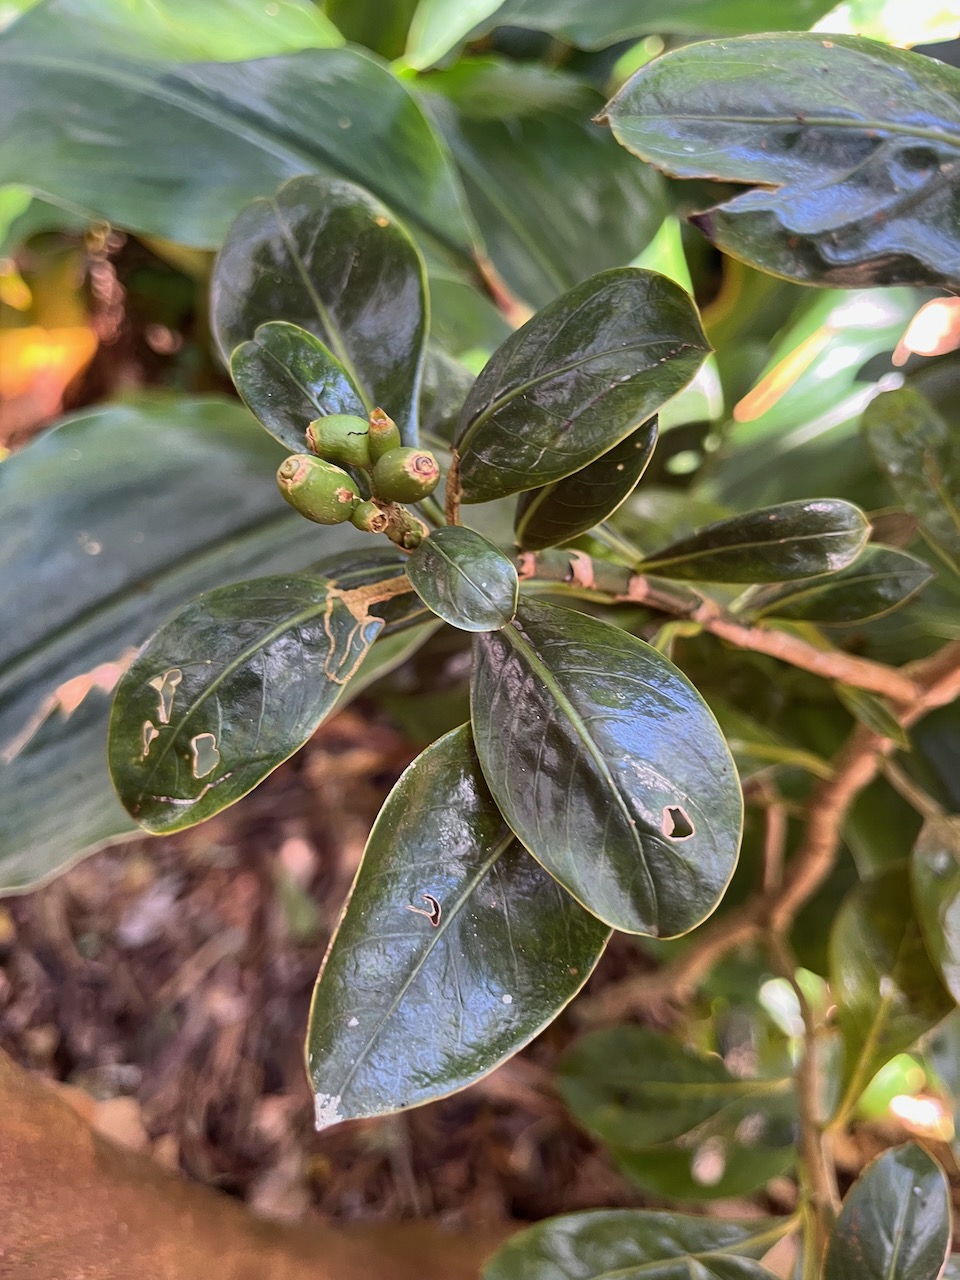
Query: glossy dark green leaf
{"type": "Point", "coordinates": [226, 690]}
{"type": "Point", "coordinates": [605, 22]}
{"type": "Point", "coordinates": [563, 510]}
{"type": "Point", "coordinates": [636, 1244]}
{"type": "Point", "coordinates": [920, 456]}
{"type": "Point", "coordinates": [609, 766]}
{"type": "Point", "coordinates": [455, 948]}
{"type": "Point", "coordinates": [180, 31]}
{"type": "Point", "coordinates": [935, 876]}
{"type": "Point", "coordinates": [178, 150]}
{"type": "Point", "coordinates": [325, 255]}
{"type": "Point", "coordinates": [521, 134]}
{"type": "Point", "coordinates": [895, 1221]}
{"type": "Point", "coordinates": [887, 991]}
{"type": "Point", "coordinates": [577, 379]}
{"type": "Point", "coordinates": [287, 377]}
{"type": "Point", "coordinates": [774, 544]}
{"type": "Point", "coordinates": [880, 580]}
{"type": "Point", "coordinates": [680, 1124]}
{"type": "Point", "coordinates": [849, 147]}
{"type": "Point", "coordinates": [109, 523]}
{"type": "Point", "coordinates": [465, 579]}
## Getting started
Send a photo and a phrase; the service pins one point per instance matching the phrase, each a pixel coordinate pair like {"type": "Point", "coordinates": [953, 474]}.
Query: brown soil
{"type": "Point", "coordinates": [170, 980]}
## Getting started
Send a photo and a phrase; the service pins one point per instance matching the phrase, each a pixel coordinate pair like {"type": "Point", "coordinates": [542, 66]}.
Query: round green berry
{"type": "Point", "coordinates": [384, 435]}
{"type": "Point", "coordinates": [317, 489]}
{"type": "Point", "coordinates": [406, 475]}
{"type": "Point", "coordinates": [341, 438]}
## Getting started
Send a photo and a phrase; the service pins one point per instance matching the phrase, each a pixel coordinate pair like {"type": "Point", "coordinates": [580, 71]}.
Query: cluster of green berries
{"type": "Point", "coordinates": [323, 491]}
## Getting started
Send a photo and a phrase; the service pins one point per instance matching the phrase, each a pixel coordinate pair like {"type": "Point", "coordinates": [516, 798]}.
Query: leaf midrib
{"type": "Point", "coordinates": [635, 119]}
{"type": "Point", "coordinates": [558, 371]}
{"type": "Point", "coordinates": [338, 343]}
{"type": "Point", "coordinates": [268, 142]}
{"type": "Point", "coordinates": [736, 548]}
{"type": "Point", "coordinates": [519, 641]}
{"type": "Point", "coordinates": [254, 647]}
{"type": "Point", "coordinates": [480, 589]}
{"type": "Point", "coordinates": [447, 919]}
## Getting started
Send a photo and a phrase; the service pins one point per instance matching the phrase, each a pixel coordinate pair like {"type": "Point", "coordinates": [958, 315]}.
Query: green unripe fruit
{"type": "Point", "coordinates": [369, 517]}
{"type": "Point", "coordinates": [317, 489]}
{"type": "Point", "coordinates": [341, 438]}
{"type": "Point", "coordinates": [384, 435]}
{"type": "Point", "coordinates": [406, 475]}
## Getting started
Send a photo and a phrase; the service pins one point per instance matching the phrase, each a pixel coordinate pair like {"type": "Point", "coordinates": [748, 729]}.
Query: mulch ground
{"type": "Point", "coordinates": [170, 979]}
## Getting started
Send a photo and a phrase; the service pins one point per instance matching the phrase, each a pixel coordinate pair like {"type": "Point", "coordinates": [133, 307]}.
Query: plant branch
{"type": "Point", "coordinates": [507, 303]}
{"type": "Point", "coordinates": [454, 491]}
{"type": "Point", "coordinates": [819, 1174]}
{"type": "Point", "coordinates": [619, 583]}
{"type": "Point", "coordinates": [914, 795]}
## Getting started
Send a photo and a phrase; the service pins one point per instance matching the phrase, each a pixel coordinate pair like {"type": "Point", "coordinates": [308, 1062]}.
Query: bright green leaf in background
{"type": "Point", "coordinates": [439, 25]}
{"type": "Point", "coordinates": [680, 1124]}
{"type": "Point", "coordinates": [177, 151]}
{"type": "Point", "coordinates": [108, 523]}
{"type": "Point", "coordinates": [636, 1244]}
{"type": "Point", "coordinates": [575, 380]}
{"type": "Point", "coordinates": [795, 540]}
{"type": "Point", "coordinates": [902, 22]}
{"type": "Point", "coordinates": [609, 766]}
{"type": "Point", "coordinates": [455, 948]}
{"type": "Point", "coordinates": [565, 509]}
{"type": "Point", "coordinates": [325, 255]}
{"type": "Point", "coordinates": [880, 580]}
{"type": "Point", "coordinates": [465, 579]}
{"type": "Point", "coordinates": [226, 690]}
{"type": "Point", "coordinates": [850, 149]}
{"type": "Point", "coordinates": [183, 31]}
{"type": "Point", "coordinates": [895, 1221]}
{"type": "Point", "coordinates": [887, 991]}
{"type": "Point", "coordinates": [797, 428]}
{"type": "Point", "coordinates": [919, 454]}
{"type": "Point", "coordinates": [287, 378]}
{"type": "Point", "coordinates": [600, 23]}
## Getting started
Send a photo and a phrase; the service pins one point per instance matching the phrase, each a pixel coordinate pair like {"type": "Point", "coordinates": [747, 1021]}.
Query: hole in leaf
{"type": "Point", "coordinates": [149, 733]}
{"type": "Point", "coordinates": [206, 757]}
{"type": "Point", "coordinates": [676, 825]}
{"type": "Point", "coordinates": [166, 687]}
{"type": "Point", "coordinates": [431, 911]}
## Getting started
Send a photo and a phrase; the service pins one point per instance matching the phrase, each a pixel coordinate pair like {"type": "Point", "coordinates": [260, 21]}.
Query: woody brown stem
{"type": "Point", "coordinates": [620, 584]}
